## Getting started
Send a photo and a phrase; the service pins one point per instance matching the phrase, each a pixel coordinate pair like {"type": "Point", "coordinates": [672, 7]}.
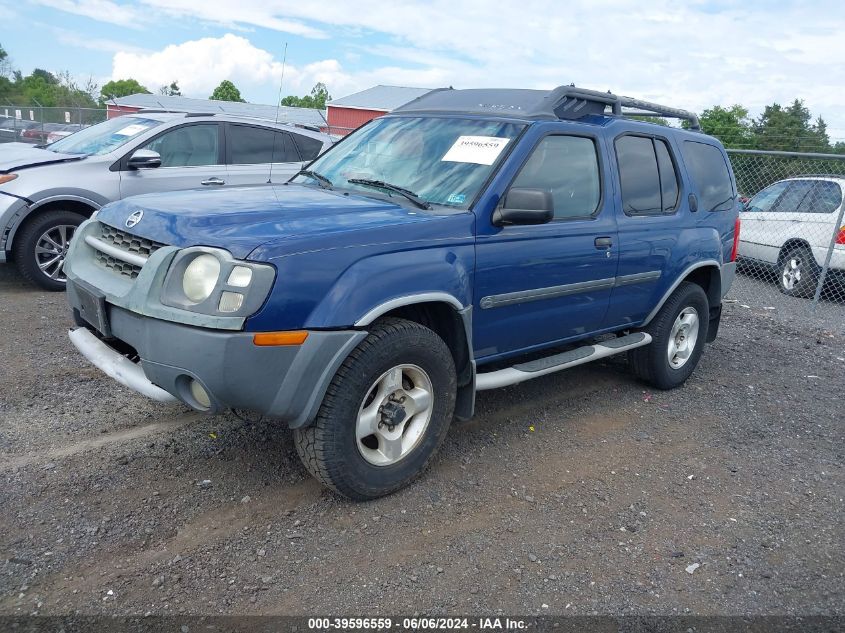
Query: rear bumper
{"type": "Point", "coordinates": [287, 381]}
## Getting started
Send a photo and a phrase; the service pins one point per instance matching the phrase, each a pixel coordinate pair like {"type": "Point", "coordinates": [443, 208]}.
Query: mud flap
{"type": "Point", "coordinates": [715, 319]}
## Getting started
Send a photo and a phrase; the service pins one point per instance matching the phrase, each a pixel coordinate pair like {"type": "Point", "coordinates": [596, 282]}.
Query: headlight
{"type": "Point", "coordinates": [201, 277]}
{"type": "Point", "coordinates": [4, 178]}
{"type": "Point", "coordinates": [210, 281]}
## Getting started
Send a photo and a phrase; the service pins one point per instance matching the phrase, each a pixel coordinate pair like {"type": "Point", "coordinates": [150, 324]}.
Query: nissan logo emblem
{"type": "Point", "coordinates": [134, 218]}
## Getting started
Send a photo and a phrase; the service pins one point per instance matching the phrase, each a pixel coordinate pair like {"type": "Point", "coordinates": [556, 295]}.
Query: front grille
{"type": "Point", "coordinates": [118, 266]}
{"type": "Point", "coordinates": [125, 242]}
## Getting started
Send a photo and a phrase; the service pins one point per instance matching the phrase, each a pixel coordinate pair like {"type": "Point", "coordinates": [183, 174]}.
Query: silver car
{"type": "Point", "coordinates": [45, 193]}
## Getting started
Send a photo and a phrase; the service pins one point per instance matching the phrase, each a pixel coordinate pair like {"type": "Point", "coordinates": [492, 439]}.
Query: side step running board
{"type": "Point", "coordinates": [536, 368]}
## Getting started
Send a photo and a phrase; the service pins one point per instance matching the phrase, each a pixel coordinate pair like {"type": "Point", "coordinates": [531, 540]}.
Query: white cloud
{"type": "Point", "coordinates": [100, 10]}
{"type": "Point", "coordinates": [200, 65]}
{"type": "Point", "coordinates": [691, 54]}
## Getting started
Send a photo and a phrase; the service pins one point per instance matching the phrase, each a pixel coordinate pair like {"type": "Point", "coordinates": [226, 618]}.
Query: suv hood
{"type": "Point", "coordinates": [240, 219]}
{"type": "Point", "coordinates": [22, 155]}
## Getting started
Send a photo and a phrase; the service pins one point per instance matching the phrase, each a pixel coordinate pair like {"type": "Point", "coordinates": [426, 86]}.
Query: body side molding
{"type": "Point", "coordinates": [552, 292]}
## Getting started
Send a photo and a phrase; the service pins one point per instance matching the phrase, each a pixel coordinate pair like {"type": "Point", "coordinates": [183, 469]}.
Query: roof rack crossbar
{"type": "Point", "coordinates": [569, 102]}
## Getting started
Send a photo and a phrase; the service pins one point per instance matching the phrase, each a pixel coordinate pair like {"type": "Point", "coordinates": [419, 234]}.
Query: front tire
{"type": "Point", "coordinates": [385, 414]}
{"type": "Point", "coordinates": [678, 334]}
{"type": "Point", "coordinates": [42, 246]}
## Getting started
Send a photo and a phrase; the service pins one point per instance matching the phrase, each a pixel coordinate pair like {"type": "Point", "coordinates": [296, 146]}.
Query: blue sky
{"type": "Point", "coordinates": [691, 54]}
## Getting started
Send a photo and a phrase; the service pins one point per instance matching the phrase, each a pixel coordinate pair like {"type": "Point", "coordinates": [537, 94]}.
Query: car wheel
{"type": "Point", "coordinates": [385, 413]}
{"type": "Point", "coordinates": [799, 273]}
{"type": "Point", "coordinates": [41, 247]}
{"type": "Point", "coordinates": [678, 333]}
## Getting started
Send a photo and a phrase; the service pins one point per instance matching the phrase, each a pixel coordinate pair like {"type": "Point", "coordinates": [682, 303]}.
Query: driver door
{"type": "Point", "coordinates": [542, 284]}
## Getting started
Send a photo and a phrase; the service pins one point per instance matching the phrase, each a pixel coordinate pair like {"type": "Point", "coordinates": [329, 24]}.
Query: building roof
{"type": "Point", "coordinates": [382, 98]}
{"type": "Point", "coordinates": [301, 116]}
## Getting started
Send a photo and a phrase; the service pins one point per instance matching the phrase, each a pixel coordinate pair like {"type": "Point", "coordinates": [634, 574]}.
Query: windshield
{"type": "Point", "coordinates": [103, 137]}
{"type": "Point", "coordinates": [443, 161]}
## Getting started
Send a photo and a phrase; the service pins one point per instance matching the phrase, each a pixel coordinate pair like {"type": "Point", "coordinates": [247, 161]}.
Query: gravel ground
{"type": "Point", "coordinates": [579, 493]}
{"type": "Point", "coordinates": [758, 290]}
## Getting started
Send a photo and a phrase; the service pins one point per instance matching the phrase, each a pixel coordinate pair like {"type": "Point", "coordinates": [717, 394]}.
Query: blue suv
{"type": "Point", "coordinates": [470, 240]}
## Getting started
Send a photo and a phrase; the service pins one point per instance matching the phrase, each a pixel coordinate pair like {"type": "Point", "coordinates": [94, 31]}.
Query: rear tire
{"type": "Point", "coordinates": [678, 334]}
{"type": "Point", "coordinates": [385, 414]}
{"type": "Point", "coordinates": [41, 247]}
{"type": "Point", "coordinates": [798, 272]}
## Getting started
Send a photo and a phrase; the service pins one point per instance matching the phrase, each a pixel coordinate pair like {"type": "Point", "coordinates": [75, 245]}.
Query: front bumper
{"type": "Point", "coordinates": [287, 381]}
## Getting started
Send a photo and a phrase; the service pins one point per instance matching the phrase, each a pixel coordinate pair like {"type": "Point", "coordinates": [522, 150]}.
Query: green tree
{"type": "Point", "coordinates": [171, 90]}
{"type": "Point", "coordinates": [226, 91]}
{"type": "Point", "coordinates": [730, 125]}
{"type": "Point", "coordinates": [790, 129]}
{"type": "Point", "coordinates": [5, 63]}
{"type": "Point", "coordinates": [121, 88]}
{"type": "Point", "coordinates": [317, 99]}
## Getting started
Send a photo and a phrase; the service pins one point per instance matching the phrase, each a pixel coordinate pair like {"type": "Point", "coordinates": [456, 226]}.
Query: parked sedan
{"type": "Point", "coordinates": [39, 132]}
{"type": "Point", "coordinates": [791, 225]}
{"type": "Point", "coordinates": [45, 193]}
{"type": "Point", "coordinates": [11, 129]}
{"type": "Point", "coordinates": [66, 130]}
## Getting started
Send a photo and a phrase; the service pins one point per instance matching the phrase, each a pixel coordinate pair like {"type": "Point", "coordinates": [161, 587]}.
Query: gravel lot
{"type": "Point", "coordinates": [579, 493]}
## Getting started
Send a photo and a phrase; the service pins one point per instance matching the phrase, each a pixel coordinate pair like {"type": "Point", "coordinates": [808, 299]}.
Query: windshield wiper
{"type": "Point", "coordinates": [325, 183]}
{"type": "Point", "coordinates": [380, 184]}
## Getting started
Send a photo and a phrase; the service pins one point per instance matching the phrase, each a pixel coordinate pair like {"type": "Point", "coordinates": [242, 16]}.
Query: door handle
{"type": "Point", "coordinates": [604, 243]}
{"type": "Point", "coordinates": [213, 181]}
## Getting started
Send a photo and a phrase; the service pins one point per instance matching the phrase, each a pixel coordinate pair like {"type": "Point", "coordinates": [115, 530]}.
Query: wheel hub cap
{"type": "Point", "coordinates": [791, 273]}
{"type": "Point", "coordinates": [683, 337]}
{"type": "Point", "coordinates": [51, 251]}
{"type": "Point", "coordinates": [394, 415]}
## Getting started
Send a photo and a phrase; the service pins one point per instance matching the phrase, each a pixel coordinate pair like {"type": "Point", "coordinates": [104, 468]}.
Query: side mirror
{"type": "Point", "coordinates": [525, 206]}
{"type": "Point", "coordinates": [144, 159]}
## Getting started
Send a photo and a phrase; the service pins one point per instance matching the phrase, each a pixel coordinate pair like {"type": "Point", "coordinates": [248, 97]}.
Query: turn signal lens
{"type": "Point", "coordinates": [840, 237]}
{"type": "Point", "coordinates": [230, 301]}
{"type": "Point", "coordinates": [4, 178]}
{"type": "Point", "coordinates": [266, 339]}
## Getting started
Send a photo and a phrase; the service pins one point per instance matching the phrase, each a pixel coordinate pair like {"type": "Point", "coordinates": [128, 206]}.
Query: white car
{"type": "Point", "coordinates": [790, 225]}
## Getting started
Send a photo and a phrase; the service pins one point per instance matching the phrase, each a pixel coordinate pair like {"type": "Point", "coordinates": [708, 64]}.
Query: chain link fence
{"type": "Point", "coordinates": [37, 125]}
{"type": "Point", "coordinates": [792, 237]}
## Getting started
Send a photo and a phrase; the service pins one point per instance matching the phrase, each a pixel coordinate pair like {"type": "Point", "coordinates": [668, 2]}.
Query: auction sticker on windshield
{"type": "Point", "coordinates": [481, 150]}
{"type": "Point", "coordinates": [131, 130]}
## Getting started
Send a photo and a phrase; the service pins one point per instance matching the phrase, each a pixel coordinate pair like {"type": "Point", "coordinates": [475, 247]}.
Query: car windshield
{"type": "Point", "coordinates": [443, 161]}
{"type": "Point", "coordinates": [103, 137]}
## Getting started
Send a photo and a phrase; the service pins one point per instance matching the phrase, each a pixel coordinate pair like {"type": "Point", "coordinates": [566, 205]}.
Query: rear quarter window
{"type": "Point", "coordinates": [709, 172]}
{"type": "Point", "coordinates": [309, 148]}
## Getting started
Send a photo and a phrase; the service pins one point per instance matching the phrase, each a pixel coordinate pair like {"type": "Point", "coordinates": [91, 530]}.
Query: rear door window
{"type": "Point", "coordinates": [709, 171]}
{"type": "Point", "coordinates": [249, 145]}
{"type": "Point", "coordinates": [796, 192]}
{"type": "Point", "coordinates": [647, 176]}
{"type": "Point", "coordinates": [824, 197]}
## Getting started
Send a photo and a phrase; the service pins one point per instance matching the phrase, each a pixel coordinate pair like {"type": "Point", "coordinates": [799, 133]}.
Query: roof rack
{"type": "Point", "coordinates": [569, 102]}
{"type": "Point", "coordinates": [563, 102]}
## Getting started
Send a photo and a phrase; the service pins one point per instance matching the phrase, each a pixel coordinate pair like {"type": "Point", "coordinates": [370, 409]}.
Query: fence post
{"type": "Point", "coordinates": [827, 258]}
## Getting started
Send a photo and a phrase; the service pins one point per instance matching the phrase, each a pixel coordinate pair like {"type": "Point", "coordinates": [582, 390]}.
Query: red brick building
{"type": "Point", "coordinates": [347, 113]}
